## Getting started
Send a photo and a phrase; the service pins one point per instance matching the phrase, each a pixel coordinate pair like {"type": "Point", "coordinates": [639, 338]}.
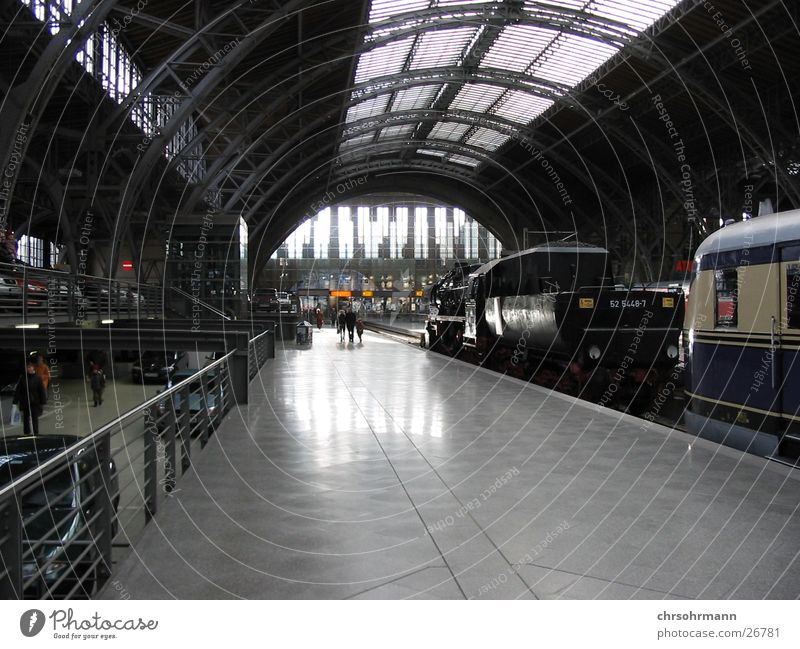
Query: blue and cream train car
{"type": "Point", "coordinates": [743, 332]}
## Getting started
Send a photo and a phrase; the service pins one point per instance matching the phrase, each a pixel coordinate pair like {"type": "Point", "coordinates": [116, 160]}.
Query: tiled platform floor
{"type": "Point", "coordinates": [383, 471]}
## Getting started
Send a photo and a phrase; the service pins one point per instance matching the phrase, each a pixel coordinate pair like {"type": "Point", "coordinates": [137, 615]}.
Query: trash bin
{"type": "Point", "coordinates": [305, 331]}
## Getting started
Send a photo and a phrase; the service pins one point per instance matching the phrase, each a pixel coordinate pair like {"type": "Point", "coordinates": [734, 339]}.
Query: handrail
{"type": "Point", "coordinates": [54, 461]}
{"type": "Point", "coordinates": [200, 302]}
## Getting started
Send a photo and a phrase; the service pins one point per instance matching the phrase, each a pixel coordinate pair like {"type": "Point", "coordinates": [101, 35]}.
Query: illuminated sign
{"type": "Point", "coordinates": [341, 293]}
{"type": "Point", "coordinates": [684, 265]}
{"type": "Point", "coordinates": [586, 303]}
{"type": "Point", "coordinates": [127, 265]}
{"type": "Point", "coordinates": [419, 293]}
{"type": "Point", "coordinates": [667, 302]}
{"type": "Point", "coordinates": [368, 294]}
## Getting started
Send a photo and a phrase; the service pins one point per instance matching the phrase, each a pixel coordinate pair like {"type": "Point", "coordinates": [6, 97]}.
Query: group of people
{"type": "Point", "coordinates": [348, 320]}
{"type": "Point", "coordinates": [30, 394]}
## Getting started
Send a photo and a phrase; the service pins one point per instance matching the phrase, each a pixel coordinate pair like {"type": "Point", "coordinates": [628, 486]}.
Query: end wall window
{"type": "Point", "coordinates": [726, 297]}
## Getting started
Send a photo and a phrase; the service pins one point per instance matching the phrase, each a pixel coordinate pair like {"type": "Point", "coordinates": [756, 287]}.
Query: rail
{"type": "Point", "coordinates": [200, 303]}
{"type": "Point", "coordinates": [67, 520]}
{"type": "Point", "coordinates": [29, 295]}
{"type": "Point", "coordinates": [261, 348]}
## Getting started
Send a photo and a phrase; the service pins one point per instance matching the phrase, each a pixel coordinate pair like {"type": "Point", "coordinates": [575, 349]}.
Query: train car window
{"type": "Point", "coordinates": [727, 297]}
{"type": "Point", "coordinates": [793, 296]}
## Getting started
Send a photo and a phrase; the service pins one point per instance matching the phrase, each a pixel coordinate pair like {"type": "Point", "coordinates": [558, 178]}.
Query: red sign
{"type": "Point", "coordinates": [684, 265]}
{"type": "Point", "coordinates": [127, 265]}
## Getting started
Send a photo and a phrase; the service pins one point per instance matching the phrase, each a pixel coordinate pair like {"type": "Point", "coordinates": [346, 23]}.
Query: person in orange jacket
{"type": "Point", "coordinates": [43, 371]}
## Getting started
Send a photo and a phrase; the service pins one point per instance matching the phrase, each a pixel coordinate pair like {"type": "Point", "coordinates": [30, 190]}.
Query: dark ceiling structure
{"type": "Point", "coordinates": [635, 125]}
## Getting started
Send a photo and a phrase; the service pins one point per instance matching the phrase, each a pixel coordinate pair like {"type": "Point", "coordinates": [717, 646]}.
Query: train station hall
{"type": "Point", "coordinates": [400, 300]}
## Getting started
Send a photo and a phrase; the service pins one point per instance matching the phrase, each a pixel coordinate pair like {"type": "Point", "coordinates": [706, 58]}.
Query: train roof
{"type": "Point", "coordinates": [554, 248]}
{"type": "Point", "coordinates": [759, 231]}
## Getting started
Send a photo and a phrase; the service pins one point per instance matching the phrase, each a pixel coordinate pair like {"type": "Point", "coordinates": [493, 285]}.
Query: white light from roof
{"type": "Point", "coordinates": [520, 106]}
{"type": "Point", "coordinates": [572, 59]}
{"type": "Point", "coordinates": [383, 60]}
{"type": "Point", "coordinates": [383, 9]}
{"type": "Point", "coordinates": [638, 15]}
{"type": "Point", "coordinates": [367, 108]}
{"type": "Point", "coordinates": [414, 98]}
{"type": "Point", "coordinates": [464, 160]}
{"type": "Point", "coordinates": [399, 130]}
{"type": "Point", "coordinates": [476, 97]}
{"type": "Point", "coordinates": [432, 152]}
{"type": "Point", "coordinates": [448, 131]}
{"type": "Point", "coordinates": [357, 140]}
{"type": "Point", "coordinates": [517, 47]}
{"type": "Point", "coordinates": [486, 138]}
{"type": "Point", "coordinates": [441, 48]}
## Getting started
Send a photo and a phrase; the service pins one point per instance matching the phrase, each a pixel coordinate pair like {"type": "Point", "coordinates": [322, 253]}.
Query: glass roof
{"type": "Point", "coordinates": [555, 58]}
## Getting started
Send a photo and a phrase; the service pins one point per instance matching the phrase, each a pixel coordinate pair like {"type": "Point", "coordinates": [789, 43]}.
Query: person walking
{"type": "Point", "coordinates": [340, 325]}
{"type": "Point", "coordinates": [350, 322]}
{"type": "Point", "coordinates": [359, 328]}
{"type": "Point", "coordinates": [98, 383]}
{"type": "Point", "coordinates": [43, 371]}
{"type": "Point", "coordinates": [320, 318]}
{"type": "Point", "coordinates": [31, 397]}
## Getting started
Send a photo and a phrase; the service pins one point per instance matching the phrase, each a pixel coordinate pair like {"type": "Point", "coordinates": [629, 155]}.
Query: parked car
{"type": "Point", "coordinates": [158, 365]}
{"type": "Point", "coordinates": [55, 513]}
{"type": "Point", "coordinates": [198, 400]}
{"type": "Point", "coordinates": [264, 299]}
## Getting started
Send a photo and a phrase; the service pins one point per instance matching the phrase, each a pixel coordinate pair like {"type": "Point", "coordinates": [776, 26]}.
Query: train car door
{"type": "Point", "coordinates": [787, 363]}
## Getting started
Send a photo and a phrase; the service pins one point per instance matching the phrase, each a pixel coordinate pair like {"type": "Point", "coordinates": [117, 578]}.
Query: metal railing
{"type": "Point", "coordinates": [201, 303]}
{"type": "Point", "coordinates": [35, 294]}
{"type": "Point", "coordinates": [65, 522]}
{"type": "Point", "coordinates": [261, 348]}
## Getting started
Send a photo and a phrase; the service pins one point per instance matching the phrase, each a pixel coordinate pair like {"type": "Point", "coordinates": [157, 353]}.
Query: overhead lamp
{"type": "Point", "coordinates": [107, 321]}
{"type": "Point", "coordinates": [27, 326]}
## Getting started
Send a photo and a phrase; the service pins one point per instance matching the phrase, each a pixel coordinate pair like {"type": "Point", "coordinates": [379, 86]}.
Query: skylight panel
{"type": "Point", "coordinates": [520, 106]}
{"type": "Point", "coordinates": [356, 141]}
{"type": "Point", "coordinates": [639, 15]}
{"type": "Point", "coordinates": [383, 9]}
{"type": "Point", "coordinates": [432, 152]}
{"type": "Point", "coordinates": [368, 108]}
{"type": "Point", "coordinates": [441, 48]}
{"type": "Point", "coordinates": [476, 97]}
{"type": "Point", "coordinates": [399, 130]}
{"type": "Point", "coordinates": [517, 47]}
{"type": "Point", "coordinates": [414, 98]}
{"type": "Point", "coordinates": [448, 131]}
{"type": "Point", "coordinates": [486, 138]}
{"type": "Point", "coordinates": [572, 59]}
{"type": "Point", "coordinates": [464, 160]}
{"type": "Point", "coordinates": [384, 60]}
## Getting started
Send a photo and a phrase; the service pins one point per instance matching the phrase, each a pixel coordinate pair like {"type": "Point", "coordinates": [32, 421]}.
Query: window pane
{"type": "Point", "coordinates": [727, 297]}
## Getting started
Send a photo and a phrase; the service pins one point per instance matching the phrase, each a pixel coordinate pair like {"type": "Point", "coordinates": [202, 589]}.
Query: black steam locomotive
{"type": "Point", "coordinates": [555, 314]}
